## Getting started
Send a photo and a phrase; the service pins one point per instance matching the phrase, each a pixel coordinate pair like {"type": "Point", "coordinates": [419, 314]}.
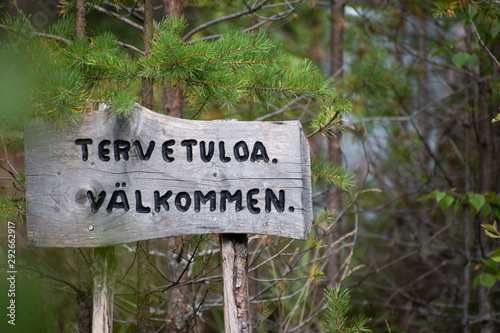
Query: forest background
{"type": "Point", "coordinates": [422, 80]}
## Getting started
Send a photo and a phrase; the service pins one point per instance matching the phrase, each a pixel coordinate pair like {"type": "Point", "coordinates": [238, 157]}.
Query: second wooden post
{"type": "Point", "coordinates": [234, 258]}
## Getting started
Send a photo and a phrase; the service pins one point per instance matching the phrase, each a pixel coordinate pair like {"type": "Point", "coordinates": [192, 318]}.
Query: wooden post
{"type": "Point", "coordinates": [104, 266]}
{"type": "Point", "coordinates": [234, 257]}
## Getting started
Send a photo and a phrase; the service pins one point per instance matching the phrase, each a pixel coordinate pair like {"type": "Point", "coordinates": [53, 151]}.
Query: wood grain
{"type": "Point", "coordinates": [59, 178]}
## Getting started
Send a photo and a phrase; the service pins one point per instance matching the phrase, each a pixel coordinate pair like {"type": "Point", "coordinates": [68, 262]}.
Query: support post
{"type": "Point", "coordinates": [104, 267]}
{"type": "Point", "coordinates": [234, 257]}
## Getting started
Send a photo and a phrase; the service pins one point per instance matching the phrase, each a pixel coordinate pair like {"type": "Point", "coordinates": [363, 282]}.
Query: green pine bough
{"type": "Point", "coordinates": [336, 319]}
{"type": "Point", "coordinates": [239, 67]}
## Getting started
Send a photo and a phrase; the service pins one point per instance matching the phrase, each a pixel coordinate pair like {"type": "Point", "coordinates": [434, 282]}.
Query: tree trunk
{"type": "Point", "coordinates": [173, 106]}
{"type": "Point", "coordinates": [83, 256]}
{"type": "Point", "coordinates": [172, 96]}
{"type": "Point", "coordinates": [143, 276]}
{"type": "Point", "coordinates": [147, 84]}
{"type": "Point", "coordinates": [80, 18]}
{"type": "Point", "coordinates": [487, 183]}
{"type": "Point", "coordinates": [234, 257]}
{"type": "Point", "coordinates": [334, 198]}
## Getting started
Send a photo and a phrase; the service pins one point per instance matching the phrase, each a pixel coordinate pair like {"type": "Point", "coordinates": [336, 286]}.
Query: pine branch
{"type": "Point", "coordinates": [231, 52]}
{"type": "Point", "coordinates": [249, 62]}
{"type": "Point", "coordinates": [213, 84]}
{"type": "Point", "coordinates": [285, 88]}
{"type": "Point", "coordinates": [336, 320]}
{"type": "Point", "coordinates": [201, 108]}
{"type": "Point", "coordinates": [325, 126]}
{"type": "Point", "coordinates": [116, 69]}
{"type": "Point", "coordinates": [336, 175]}
{"type": "Point", "coordinates": [196, 55]}
{"type": "Point", "coordinates": [333, 178]}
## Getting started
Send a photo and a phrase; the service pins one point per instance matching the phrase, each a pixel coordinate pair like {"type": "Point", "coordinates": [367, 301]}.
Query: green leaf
{"type": "Point", "coordinates": [438, 52]}
{"type": "Point", "coordinates": [489, 234]}
{"type": "Point", "coordinates": [486, 209]}
{"type": "Point", "coordinates": [458, 203]}
{"type": "Point", "coordinates": [471, 61]}
{"type": "Point", "coordinates": [487, 280]}
{"type": "Point", "coordinates": [477, 201]}
{"type": "Point", "coordinates": [476, 282]}
{"type": "Point", "coordinates": [427, 196]}
{"type": "Point", "coordinates": [497, 212]}
{"type": "Point", "coordinates": [431, 46]}
{"type": "Point", "coordinates": [496, 255]}
{"type": "Point", "coordinates": [493, 266]}
{"type": "Point", "coordinates": [446, 202]}
{"type": "Point", "coordinates": [440, 195]}
{"type": "Point", "coordinates": [460, 58]}
{"type": "Point", "coordinates": [492, 197]}
{"type": "Point", "coordinates": [489, 227]}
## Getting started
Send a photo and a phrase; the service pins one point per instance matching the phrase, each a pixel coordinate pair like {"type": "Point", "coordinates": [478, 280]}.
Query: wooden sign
{"type": "Point", "coordinates": [115, 179]}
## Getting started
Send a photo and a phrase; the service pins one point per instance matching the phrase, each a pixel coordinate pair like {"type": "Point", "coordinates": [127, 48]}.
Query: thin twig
{"type": "Point", "coordinates": [222, 19]}
{"type": "Point", "coordinates": [481, 40]}
{"type": "Point", "coordinates": [131, 47]}
{"type": "Point", "coordinates": [118, 17]}
{"type": "Point", "coordinates": [255, 26]}
{"type": "Point", "coordinates": [68, 41]}
{"type": "Point", "coordinates": [283, 109]}
{"type": "Point", "coordinates": [322, 128]}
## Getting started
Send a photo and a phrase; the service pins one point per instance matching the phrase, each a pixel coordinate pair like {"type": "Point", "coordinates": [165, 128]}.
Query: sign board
{"type": "Point", "coordinates": [115, 179]}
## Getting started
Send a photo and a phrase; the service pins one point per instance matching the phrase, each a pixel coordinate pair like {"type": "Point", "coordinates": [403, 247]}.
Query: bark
{"type": "Point", "coordinates": [234, 257]}
{"type": "Point", "coordinates": [173, 102]}
{"type": "Point", "coordinates": [172, 7]}
{"type": "Point", "coordinates": [104, 267]}
{"type": "Point", "coordinates": [147, 84]}
{"type": "Point", "coordinates": [80, 18]}
{"type": "Point", "coordinates": [334, 198]}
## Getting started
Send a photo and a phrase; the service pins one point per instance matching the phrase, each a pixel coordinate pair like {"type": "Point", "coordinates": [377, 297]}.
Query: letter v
{"type": "Point", "coordinates": [96, 205]}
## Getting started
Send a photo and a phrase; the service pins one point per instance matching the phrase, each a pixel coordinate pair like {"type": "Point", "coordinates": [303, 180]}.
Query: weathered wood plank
{"type": "Point", "coordinates": [111, 179]}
